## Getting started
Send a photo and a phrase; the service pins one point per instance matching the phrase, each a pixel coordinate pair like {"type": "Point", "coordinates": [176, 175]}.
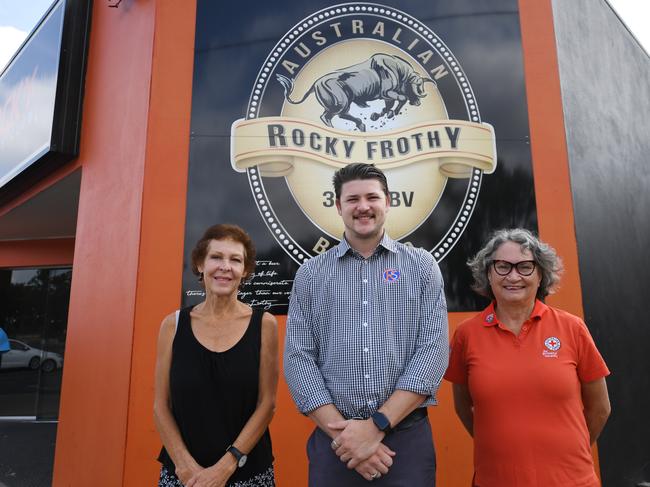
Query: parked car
{"type": "Point", "coordinates": [22, 355]}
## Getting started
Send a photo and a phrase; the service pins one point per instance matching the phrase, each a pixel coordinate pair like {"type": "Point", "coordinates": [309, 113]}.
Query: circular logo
{"type": "Point", "coordinates": [552, 343]}
{"type": "Point", "coordinates": [391, 275]}
{"type": "Point", "coordinates": [361, 82]}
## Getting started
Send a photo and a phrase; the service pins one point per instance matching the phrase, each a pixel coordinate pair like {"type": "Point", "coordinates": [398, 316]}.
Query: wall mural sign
{"type": "Point", "coordinates": [360, 83]}
{"type": "Point", "coordinates": [314, 87]}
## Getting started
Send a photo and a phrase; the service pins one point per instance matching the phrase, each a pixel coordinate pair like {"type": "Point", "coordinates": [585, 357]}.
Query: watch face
{"type": "Point", "coordinates": [242, 461]}
{"type": "Point", "coordinates": [381, 421]}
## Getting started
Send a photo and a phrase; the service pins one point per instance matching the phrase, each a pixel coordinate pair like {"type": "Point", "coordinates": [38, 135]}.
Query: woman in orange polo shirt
{"type": "Point", "coordinates": [528, 381]}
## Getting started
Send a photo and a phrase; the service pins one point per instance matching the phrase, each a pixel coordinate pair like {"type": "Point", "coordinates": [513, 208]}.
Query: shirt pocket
{"type": "Point", "coordinates": [398, 301]}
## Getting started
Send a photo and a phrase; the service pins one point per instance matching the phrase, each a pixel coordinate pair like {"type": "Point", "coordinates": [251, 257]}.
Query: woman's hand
{"type": "Point", "coordinates": [186, 472]}
{"type": "Point", "coordinates": [215, 476]}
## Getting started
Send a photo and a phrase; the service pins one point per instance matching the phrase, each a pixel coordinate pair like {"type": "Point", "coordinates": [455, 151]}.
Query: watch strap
{"type": "Point", "coordinates": [239, 456]}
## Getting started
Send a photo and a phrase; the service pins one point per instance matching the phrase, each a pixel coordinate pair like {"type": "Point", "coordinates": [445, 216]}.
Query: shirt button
{"type": "Point", "coordinates": [365, 349]}
{"type": "Point", "coordinates": [365, 281]}
{"type": "Point", "coordinates": [365, 324]}
{"type": "Point", "coordinates": [365, 302]}
{"type": "Point", "coordinates": [370, 403]}
{"type": "Point", "coordinates": [525, 328]}
{"type": "Point", "coordinates": [367, 376]}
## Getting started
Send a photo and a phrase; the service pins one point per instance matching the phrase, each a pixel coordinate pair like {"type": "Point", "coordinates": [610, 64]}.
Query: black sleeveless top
{"type": "Point", "coordinates": [213, 394]}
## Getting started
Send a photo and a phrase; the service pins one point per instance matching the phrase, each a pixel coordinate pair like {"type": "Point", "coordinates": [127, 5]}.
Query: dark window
{"type": "Point", "coordinates": [33, 313]}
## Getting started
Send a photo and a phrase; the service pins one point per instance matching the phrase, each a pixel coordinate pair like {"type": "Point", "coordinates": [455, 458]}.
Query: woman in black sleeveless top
{"type": "Point", "coordinates": [216, 375]}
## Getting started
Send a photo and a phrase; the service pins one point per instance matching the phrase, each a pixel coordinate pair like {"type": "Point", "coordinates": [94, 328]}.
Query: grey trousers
{"type": "Point", "coordinates": [414, 465]}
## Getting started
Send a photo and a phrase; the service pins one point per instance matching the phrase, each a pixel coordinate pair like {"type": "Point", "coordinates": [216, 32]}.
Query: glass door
{"type": "Point", "coordinates": [33, 314]}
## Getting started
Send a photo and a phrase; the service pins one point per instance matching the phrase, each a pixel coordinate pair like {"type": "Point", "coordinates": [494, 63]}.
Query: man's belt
{"type": "Point", "coordinates": [413, 417]}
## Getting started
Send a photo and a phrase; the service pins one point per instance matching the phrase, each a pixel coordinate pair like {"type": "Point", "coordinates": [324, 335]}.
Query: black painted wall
{"type": "Point", "coordinates": [233, 40]}
{"type": "Point", "coordinates": [605, 79]}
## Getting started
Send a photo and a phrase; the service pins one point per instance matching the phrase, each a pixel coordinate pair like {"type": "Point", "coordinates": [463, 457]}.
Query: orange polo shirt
{"type": "Point", "coordinates": [529, 426]}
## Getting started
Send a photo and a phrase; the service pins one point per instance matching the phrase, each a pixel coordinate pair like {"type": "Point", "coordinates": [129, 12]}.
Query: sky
{"type": "Point", "coordinates": [18, 17]}
{"type": "Point", "coordinates": [636, 15]}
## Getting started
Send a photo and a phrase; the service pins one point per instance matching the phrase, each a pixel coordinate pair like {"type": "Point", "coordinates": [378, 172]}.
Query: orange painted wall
{"type": "Point", "coordinates": [91, 435]}
{"type": "Point", "coordinates": [32, 253]}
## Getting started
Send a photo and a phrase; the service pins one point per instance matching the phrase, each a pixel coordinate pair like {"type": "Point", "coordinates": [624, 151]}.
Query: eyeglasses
{"type": "Point", "coordinates": [523, 268]}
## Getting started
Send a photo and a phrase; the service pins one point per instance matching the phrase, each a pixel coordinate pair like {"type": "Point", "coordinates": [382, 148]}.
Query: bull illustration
{"type": "Point", "coordinates": [381, 77]}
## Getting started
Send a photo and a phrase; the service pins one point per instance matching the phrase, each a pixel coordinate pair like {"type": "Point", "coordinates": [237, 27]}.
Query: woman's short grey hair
{"type": "Point", "coordinates": [546, 260]}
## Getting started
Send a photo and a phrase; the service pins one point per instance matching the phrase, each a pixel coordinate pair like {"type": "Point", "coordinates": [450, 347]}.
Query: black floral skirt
{"type": "Point", "coordinates": [264, 479]}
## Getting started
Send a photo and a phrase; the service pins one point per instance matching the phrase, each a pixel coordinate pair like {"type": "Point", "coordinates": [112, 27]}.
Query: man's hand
{"type": "Point", "coordinates": [357, 441]}
{"type": "Point", "coordinates": [378, 464]}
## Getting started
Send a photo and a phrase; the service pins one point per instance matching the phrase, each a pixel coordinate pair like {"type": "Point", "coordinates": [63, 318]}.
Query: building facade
{"type": "Point", "coordinates": [185, 123]}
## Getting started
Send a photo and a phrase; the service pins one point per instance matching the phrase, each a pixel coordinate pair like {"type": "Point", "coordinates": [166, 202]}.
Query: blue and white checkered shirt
{"type": "Point", "coordinates": [358, 329]}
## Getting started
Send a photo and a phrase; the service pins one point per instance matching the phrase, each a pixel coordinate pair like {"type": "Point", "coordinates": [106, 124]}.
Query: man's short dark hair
{"type": "Point", "coordinates": [358, 170]}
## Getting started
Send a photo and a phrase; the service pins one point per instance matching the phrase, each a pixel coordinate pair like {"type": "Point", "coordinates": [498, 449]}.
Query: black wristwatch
{"type": "Point", "coordinates": [382, 422]}
{"type": "Point", "coordinates": [239, 456]}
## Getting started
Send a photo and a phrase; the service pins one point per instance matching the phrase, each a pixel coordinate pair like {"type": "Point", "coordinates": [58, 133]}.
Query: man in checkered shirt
{"type": "Point", "coordinates": [366, 346]}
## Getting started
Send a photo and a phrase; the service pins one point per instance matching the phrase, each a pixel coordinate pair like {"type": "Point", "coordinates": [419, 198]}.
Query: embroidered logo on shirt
{"type": "Point", "coordinates": [553, 344]}
{"type": "Point", "coordinates": [489, 318]}
{"type": "Point", "coordinates": [391, 275]}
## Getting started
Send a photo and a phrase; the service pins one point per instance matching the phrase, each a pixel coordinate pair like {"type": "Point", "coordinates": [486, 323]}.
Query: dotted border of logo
{"type": "Point", "coordinates": [295, 251]}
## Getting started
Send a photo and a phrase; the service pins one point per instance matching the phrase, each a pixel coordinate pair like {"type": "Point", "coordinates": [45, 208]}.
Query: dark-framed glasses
{"type": "Point", "coordinates": [523, 268]}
